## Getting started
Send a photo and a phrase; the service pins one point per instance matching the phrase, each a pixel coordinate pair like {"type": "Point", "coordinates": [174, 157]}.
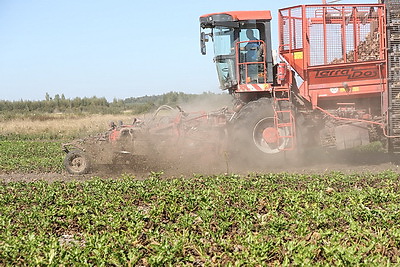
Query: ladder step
{"type": "Point", "coordinates": [288, 124]}
{"type": "Point", "coordinates": [285, 121]}
{"type": "Point", "coordinates": [285, 136]}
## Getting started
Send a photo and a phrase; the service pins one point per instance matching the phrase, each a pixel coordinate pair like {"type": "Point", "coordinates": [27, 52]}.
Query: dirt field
{"type": "Point", "coordinates": [345, 162]}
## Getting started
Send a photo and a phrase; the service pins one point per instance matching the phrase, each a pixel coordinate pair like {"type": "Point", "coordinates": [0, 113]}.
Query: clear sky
{"type": "Point", "coordinates": [111, 48]}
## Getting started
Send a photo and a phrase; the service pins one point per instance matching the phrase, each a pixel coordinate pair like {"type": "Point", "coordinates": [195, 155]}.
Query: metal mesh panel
{"type": "Point", "coordinates": [284, 29]}
{"type": "Point", "coordinates": [316, 42]}
{"type": "Point", "coordinates": [349, 42]}
{"type": "Point", "coordinates": [393, 23]}
{"type": "Point", "coordinates": [297, 28]}
{"type": "Point", "coordinates": [335, 33]}
{"type": "Point", "coordinates": [291, 29]}
{"type": "Point", "coordinates": [342, 34]}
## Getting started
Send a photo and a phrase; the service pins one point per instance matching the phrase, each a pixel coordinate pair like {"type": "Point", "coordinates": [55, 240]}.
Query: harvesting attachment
{"type": "Point", "coordinates": [169, 135]}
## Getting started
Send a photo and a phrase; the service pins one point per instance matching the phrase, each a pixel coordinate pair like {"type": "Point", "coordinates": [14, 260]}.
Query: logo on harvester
{"type": "Point", "coordinates": [351, 73]}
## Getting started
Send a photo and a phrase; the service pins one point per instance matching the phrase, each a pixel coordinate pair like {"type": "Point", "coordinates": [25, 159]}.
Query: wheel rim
{"type": "Point", "coordinates": [77, 163]}
{"type": "Point", "coordinates": [265, 136]}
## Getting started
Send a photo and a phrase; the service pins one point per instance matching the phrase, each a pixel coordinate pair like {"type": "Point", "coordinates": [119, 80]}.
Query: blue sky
{"type": "Point", "coordinates": [112, 49]}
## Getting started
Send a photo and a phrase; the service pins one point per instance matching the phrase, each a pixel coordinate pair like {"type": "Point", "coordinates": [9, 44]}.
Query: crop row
{"type": "Point", "coordinates": [331, 219]}
{"type": "Point", "coordinates": [30, 156]}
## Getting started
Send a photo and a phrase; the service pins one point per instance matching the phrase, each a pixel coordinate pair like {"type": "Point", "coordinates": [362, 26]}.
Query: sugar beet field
{"type": "Point", "coordinates": [254, 219]}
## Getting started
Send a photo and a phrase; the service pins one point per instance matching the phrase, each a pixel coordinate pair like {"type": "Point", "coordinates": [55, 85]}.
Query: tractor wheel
{"type": "Point", "coordinates": [255, 136]}
{"type": "Point", "coordinates": [77, 162]}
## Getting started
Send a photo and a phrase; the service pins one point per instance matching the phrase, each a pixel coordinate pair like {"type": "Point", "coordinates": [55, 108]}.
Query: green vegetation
{"type": "Point", "coordinates": [41, 136]}
{"type": "Point", "coordinates": [30, 156]}
{"type": "Point", "coordinates": [93, 105]}
{"type": "Point", "coordinates": [278, 219]}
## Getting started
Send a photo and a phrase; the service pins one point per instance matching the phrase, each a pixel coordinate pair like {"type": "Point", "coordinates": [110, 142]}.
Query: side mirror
{"type": "Point", "coordinates": [203, 40]}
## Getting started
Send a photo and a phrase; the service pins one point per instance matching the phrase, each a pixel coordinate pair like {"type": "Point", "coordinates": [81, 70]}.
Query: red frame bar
{"type": "Point", "coordinates": [245, 64]}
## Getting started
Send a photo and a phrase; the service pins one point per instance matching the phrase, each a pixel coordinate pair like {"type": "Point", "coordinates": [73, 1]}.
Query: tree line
{"type": "Point", "coordinates": [96, 105]}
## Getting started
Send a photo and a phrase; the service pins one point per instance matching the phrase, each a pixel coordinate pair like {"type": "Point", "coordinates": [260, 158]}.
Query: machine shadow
{"type": "Point", "coordinates": [349, 157]}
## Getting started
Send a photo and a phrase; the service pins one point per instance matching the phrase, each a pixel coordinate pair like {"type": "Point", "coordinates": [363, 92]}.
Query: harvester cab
{"type": "Point", "coordinates": [242, 47]}
{"type": "Point", "coordinates": [263, 120]}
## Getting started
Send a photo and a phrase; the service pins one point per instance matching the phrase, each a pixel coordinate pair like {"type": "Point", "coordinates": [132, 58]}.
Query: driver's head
{"type": "Point", "coordinates": [250, 34]}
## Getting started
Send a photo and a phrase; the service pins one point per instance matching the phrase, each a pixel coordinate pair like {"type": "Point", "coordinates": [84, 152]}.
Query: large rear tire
{"type": "Point", "coordinates": [77, 162]}
{"type": "Point", "coordinates": [255, 138]}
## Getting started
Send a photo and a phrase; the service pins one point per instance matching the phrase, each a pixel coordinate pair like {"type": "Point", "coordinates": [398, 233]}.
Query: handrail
{"type": "Point", "coordinates": [382, 125]}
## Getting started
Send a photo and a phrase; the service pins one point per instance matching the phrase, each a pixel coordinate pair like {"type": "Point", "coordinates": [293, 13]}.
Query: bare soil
{"type": "Point", "coordinates": [316, 163]}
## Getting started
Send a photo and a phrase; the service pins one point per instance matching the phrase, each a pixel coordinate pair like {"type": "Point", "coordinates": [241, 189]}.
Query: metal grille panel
{"type": "Point", "coordinates": [336, 34]}
{"type": "Point", "coordinates": [292, 29]}
{"type": "Point", "coordinates": [393, 33]}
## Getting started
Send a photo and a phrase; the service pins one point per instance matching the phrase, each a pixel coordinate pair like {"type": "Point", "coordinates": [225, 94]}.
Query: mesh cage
{"type": "Point", "coordinates": [335, 33]}
{"type": "Point", "coordinates": [291, 29]}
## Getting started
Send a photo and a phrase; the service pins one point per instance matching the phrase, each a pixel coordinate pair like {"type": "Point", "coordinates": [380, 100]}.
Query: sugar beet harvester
{"type": "Point", "coordinates": [336, 82]}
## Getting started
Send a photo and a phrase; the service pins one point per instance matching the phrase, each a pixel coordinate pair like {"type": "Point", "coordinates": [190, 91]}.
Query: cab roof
{"type": "Point", "coordinates": [244, 15]}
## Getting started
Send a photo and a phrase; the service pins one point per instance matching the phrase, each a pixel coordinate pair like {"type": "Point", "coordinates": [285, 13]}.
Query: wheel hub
{"type": "Point", "coordinates": [78, 163]}
{"type": "Point", "coordinates": [266, 136]}
{"type": "Point", "coordinates": [270, 135]}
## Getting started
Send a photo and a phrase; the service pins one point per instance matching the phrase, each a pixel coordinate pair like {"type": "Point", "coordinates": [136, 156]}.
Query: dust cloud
{"type": "Point", "coordinates": [208, 150]}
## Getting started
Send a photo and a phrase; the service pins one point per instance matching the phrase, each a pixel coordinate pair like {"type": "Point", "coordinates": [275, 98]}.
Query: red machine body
{"type": "Point", "coordinates": [327, 46]}
{"type": "Point", "coordinates": [336, 81]}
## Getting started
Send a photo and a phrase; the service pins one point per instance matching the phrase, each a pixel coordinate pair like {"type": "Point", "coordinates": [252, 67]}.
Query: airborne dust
{"type": "Point", "coordinates": [207, 151]}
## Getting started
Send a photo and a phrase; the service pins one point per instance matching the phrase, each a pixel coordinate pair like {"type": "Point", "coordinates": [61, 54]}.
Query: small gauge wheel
{"type": "Point", "coordinates": [77, 162]}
